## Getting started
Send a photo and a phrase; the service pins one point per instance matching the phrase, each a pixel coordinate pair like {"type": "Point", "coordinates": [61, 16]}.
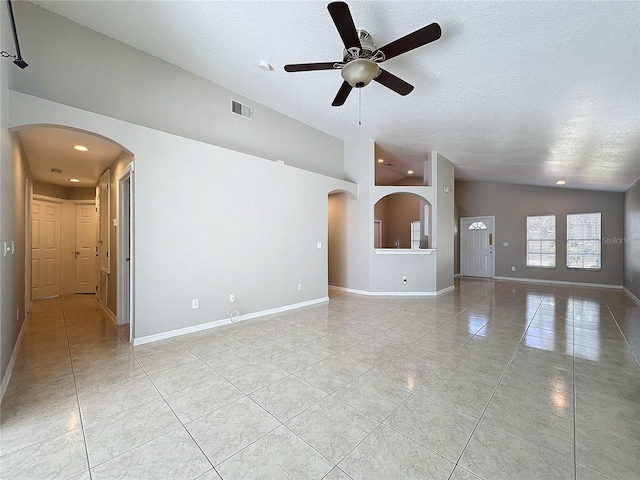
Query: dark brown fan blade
{"type": "Point", "coordinates": [416, 39]}
{"type": "Point", "coordinates": [341, 16]}
{"type": "Point", "coordinates": [342, 95]}
{"type": "Point", "coordinates": [307, 67]}
{"type": "Point", "coordinates": [396, 84]}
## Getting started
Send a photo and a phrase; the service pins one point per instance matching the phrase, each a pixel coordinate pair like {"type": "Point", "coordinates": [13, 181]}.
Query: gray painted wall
{"type": "Point", "coordinates": [13, 173]}
{"type": "Point", "coordinates": [510, 204]}
{"type": "Point", "coordinates": [632, 239]}
{"type": "Point", "coordinates": [445, 223]}
{"type": "Point", "coordinates": [382, 272]}
{"type": "Point", "coordinates": [75, 66]}
{"type": "Point", "coordinates": [201, 233]}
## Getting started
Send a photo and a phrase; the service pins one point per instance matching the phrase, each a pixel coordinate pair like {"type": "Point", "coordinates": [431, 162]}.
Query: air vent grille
{"type": "Point", "coordinates": [56, 170]}
{"type": "Point", "coordinates": [241, 109]}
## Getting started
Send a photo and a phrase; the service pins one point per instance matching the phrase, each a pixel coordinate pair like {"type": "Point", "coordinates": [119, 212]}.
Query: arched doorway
{"type": "Point", "coordinates": [76, 170]}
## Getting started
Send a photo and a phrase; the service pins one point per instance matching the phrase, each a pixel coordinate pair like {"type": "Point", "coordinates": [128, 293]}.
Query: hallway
{"type": "Point", "coordinates": [495, 380]}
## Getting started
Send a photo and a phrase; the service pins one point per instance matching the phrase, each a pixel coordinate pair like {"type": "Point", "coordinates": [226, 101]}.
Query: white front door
{"type": "Point", "coordinates": [476, 247]}
{"type": "Point", "coordinates": [45, 249]}
{"type": "Point", "coordinates": [85, 252]}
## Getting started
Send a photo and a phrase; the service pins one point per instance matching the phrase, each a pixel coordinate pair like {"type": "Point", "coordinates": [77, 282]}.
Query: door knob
{"type": "Point", "coordinates": [77, 253]}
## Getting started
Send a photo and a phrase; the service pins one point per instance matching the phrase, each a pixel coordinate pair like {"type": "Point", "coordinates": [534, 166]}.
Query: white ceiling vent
{"type": "Point", "coordinates": [241, 109]}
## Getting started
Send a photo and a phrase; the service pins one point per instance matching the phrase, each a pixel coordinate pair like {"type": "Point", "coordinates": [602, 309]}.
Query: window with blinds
{"type": "Point", "coordinates": [584, 241]}
{"type": "Point", "coordinates": [541, 241]}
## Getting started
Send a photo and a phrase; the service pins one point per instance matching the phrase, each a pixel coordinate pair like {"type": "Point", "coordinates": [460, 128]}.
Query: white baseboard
{"type": "Point", "coordinates": [557, 282]}
{"type": "Point", "coordinates": [633, 297]}
{"type": "Point", "coordinates": [12, 361]}
{"type": "Point", "coordinates": [107, 311]}
{"type": "Point", "coordinates": [226, 321]}
{"type": "Point", "coordinates": [392, 294]}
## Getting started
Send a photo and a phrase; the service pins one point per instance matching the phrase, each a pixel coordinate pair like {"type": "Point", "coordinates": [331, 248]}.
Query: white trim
{"type": "Point", "coordinates": [125, 175]}
{"type": "Point", "coordinates": [219, 323]}
{"type": "Point", "coordinates": [404, 251]}
{"type": "Point", "coordinates": [105, 178]}
{"type": "Point", "coordinates": [45, 198]}
{"type": "Point", "coordinates": [557, 282]}
{"type": "Point", "coordinates": [633, 297]}
{"type": "Point", "coordinates": [392, 294]}
{"type": "Point", "coordinates": [12, 360]}
{"type": "Point", "coordinates": [107, 311]}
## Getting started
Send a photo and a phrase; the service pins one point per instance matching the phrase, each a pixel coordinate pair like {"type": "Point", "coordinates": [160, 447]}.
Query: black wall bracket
{"type": "Point", "coordinates": [17, 58]}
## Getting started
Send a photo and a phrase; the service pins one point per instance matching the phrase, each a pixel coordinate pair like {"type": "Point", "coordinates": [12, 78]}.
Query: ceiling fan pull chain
{"type": "Point", "coordinates": [359, 106]}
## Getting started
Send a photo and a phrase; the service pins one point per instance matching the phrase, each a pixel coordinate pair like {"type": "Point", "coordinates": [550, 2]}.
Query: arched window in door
{"type": "Point", "coordinates": [477, 226]}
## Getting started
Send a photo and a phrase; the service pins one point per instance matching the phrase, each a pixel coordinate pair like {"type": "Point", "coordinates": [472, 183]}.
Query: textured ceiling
{"type": "Point", "coordinates": [517, 92]}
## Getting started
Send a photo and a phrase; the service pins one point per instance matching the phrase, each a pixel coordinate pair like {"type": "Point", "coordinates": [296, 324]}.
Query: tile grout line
{"type": "Point", "coordinates": [623, 335]}
{"type": "Point", "coordinates": [457, 462]}
{"type": "Point", "coordinates": [75, 386]}
{"type": "Point", "coordinates": [381, 423]}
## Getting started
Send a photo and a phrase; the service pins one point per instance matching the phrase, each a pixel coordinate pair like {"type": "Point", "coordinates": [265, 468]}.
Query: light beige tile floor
{"type": "Point", "coordinates": [495, 380]}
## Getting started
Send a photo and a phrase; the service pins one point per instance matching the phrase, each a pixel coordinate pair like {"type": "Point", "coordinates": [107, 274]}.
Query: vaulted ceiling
{"type": "Point", "coordinates": [516, 92]}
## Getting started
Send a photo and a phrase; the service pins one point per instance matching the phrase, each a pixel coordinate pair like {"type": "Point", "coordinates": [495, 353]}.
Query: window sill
{"type": "Point", "coordinates": [404, 251]}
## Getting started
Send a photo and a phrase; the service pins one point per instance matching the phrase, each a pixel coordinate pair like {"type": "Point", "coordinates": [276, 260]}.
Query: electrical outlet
{"type": "Point", "coordinates": [299, 286]}
{"type": "Point", "coordinates": [513, 269]}
{"type": "Point", "coordinates": [404, 279]}
{"type": "Point", "coordinates": [194, 303]}
{"type": "Point", "coordinates": [232, 297]}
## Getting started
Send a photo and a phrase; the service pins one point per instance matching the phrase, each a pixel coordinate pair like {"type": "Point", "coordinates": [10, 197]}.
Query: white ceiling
{"type": "Point", "coordinates": [48, 148]}
{"type": "Point", "coordinates": [517, 92]}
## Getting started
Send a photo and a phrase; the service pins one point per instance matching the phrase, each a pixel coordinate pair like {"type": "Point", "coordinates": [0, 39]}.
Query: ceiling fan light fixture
{"type": "Point", "coordinates": [359, 73]}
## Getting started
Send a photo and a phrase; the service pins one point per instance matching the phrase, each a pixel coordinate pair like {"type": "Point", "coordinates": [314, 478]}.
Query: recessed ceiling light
{"type": "Point", "coordinates": [80, 148]}
{"type": "Point", "coordinates": [74, 180]}
{"type": "Point", "coordinates": [560, 182]}
{"type": "Point", "coordinates": [381, 160]}
{"type": "Point", "coordinates": [410, 172]}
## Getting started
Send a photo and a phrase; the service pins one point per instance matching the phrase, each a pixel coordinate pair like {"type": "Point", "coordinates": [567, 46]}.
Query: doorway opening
{"type": "Point", "coordinates": [68, 167]}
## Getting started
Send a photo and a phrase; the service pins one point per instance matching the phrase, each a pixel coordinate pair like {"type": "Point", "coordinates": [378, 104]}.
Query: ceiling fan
{"type": "Point", "coordinates": [361, 57]}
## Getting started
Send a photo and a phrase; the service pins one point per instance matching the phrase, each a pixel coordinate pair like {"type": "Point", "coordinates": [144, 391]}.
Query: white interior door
{"type": "Point", "coordinates": [477, 246]}
{"type": "Point", "coordinates": [85, 252]}
{"type": "Point", "coordinates": [45, 249]}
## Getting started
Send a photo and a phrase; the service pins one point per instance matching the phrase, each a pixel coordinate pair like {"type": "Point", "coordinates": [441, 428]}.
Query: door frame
{"type": "Point", "coordinates": [125, 234]}
{"type": "Point", "coordinates": [493, 253]}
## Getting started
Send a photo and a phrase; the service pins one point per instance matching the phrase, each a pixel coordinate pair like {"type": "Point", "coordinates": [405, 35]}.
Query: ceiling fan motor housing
{"type": "Point", "coordinates": [359, 68]}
